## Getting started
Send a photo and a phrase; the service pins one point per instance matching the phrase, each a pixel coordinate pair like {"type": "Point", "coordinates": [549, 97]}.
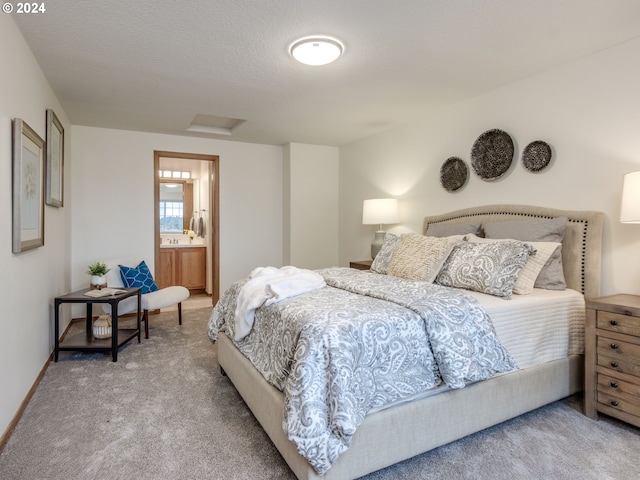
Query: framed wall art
{"type": "Point", "coordinates": [55, 161]}
{"type": "Point", "coordinates": [28, 188]}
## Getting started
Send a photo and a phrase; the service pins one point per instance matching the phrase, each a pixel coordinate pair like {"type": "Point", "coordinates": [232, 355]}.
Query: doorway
{"type": "Point", "coordinates": [208, 209]}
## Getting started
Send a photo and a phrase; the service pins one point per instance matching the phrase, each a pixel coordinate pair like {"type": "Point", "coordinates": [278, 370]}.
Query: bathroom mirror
{"type": "Point", "coordinates": [176, 198]}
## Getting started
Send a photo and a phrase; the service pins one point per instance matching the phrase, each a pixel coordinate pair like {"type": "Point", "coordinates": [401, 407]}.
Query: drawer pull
{"type": "Point", "coordinates": [614, 403]}
{"type": "Point", "coordinates": [614, 385]}
{"type": "Point", "coordinates": [614, 364]}
{"type": "Point", "coordinates": [614, 346]}
{"type": "Point", "coordinates": [613, 322]}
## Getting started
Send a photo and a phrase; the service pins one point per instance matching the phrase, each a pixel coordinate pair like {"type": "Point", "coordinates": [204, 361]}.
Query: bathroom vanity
{"type": "Point", "coordinates": [183, 264]}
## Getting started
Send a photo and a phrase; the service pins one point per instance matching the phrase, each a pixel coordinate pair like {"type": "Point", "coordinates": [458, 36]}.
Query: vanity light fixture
{"type": "Point", "coordinates": [316, 50]}
{"type": "Point", "coordinates": [174, 174]}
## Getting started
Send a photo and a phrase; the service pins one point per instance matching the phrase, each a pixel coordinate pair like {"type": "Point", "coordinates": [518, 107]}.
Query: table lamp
{"type": "Point", "coordinates": [630, 205]}
{"type": "Point", "coordinates": [379, 211]}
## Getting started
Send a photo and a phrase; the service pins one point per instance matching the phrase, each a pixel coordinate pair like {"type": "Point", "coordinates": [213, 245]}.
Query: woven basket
{"type": "Point", "coordinates": [102, 326]}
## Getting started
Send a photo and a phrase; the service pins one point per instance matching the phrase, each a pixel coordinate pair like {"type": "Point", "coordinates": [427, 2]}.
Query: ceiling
{"type": "Point", "coordinates": [154, 66]}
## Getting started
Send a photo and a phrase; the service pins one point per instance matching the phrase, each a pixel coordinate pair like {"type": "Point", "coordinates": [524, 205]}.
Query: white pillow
{"type": "Point", "coordinates": [529, 273]}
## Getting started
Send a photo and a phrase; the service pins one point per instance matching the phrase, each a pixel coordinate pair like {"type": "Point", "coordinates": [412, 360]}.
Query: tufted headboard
{"type": "Point", "coordinates": [581, 246]}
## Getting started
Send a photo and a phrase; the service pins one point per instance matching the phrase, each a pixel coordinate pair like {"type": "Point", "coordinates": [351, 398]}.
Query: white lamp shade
{"type": "Point", "coordinates": [630, 206]}
{"type": "Point", "coordinates": [379, 211]}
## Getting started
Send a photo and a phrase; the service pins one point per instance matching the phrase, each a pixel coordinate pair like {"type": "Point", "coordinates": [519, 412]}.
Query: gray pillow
{"type": "Point", "coordinates": [381, 263]}
{"type": "Point", "coordinates": [551, 276]}
{"type": "Point", "coordinates": [447, 230]}
{"type": "Point", "coordinates": [490, 268]}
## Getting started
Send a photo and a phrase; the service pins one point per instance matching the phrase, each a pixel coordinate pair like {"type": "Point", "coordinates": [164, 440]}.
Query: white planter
{"type": "Point", "coordinates": [98, 281]}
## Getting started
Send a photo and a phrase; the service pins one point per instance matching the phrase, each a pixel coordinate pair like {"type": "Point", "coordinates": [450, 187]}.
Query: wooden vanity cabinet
{"type": "Point", "coordinates": [185, 266]}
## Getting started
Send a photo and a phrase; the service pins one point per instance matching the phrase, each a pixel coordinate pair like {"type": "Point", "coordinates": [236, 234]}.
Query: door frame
{"type": "Point", "coordinates": [214, 208]}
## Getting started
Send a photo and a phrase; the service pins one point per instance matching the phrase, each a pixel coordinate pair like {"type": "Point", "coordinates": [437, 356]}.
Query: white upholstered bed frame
{"type": "Point", "coordinates": [401, 432]}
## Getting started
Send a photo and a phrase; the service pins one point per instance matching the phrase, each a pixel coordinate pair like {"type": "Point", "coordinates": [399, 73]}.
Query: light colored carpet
{"type": "Point", "coordinates": [163, 411]}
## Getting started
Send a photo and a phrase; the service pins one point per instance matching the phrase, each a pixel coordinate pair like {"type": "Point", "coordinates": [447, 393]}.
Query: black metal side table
{"type": "Point", "coordinates": [87, 342]}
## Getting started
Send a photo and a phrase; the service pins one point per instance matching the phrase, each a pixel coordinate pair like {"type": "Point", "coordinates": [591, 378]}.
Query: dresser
{"type": "Point", "coordinates": [612, 357]}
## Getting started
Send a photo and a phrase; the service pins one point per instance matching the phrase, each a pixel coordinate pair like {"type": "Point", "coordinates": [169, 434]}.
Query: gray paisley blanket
{"type": "Point", "coordinates": [364, 341]}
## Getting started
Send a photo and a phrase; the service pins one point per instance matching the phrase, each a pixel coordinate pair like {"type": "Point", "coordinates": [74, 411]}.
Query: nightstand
{"type": "Point", "coordinates": [612, 357]}
{"type": "Point", "coordinates": [361, 264]}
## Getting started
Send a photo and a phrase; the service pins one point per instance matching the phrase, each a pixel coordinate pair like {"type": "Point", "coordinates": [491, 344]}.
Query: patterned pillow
{"type": "Point", "coordinates": [383, 258]}
{"type": "Point", "coordinates": [529, 273]}
{"type": "Point", "coordinates": [536, 230]}
{"type": "Point", "coordinates": [139, 276]}
{"type": "Point", "coordinates": [490, 268]}
{"type": "Point", "coordinates": [420, 258]}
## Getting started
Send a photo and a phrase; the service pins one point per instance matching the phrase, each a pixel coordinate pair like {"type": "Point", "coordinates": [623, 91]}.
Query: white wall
{"type": "Point", "coordinates": [113, 199]}
{"type": "Point", "coordinates": [30, 280]}
{"type": "Point", "coordinates": [311, 205]}
{"type": "Point", "coordinates": [588, 111]}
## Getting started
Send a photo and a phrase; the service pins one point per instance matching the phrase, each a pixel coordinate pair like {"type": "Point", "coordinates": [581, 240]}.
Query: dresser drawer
{"type": "Point", "coordinates": [621, 351]}
{"type": "Point", "coordinates": [613, 363]}
{"type": "Point", "coordinates": [614, 322]}
{"type": "Point", "coordinates": [612, 385]}
{"type": "Point", "coordinates": [619, 403]}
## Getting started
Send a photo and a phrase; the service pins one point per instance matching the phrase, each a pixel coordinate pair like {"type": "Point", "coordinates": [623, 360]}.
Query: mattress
{"type": "Point", "coordinates": [538, 328]}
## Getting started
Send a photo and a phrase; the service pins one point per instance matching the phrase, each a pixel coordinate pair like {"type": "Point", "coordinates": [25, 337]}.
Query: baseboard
{"type": "Point", "coordinates": [4, 439]}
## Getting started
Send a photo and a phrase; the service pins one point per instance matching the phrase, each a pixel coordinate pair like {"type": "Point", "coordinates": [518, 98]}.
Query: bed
{"type": "Point", "coordinates": [422, 422]}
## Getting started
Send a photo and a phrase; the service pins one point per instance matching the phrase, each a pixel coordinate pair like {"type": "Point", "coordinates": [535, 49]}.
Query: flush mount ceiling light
{"type": "Point", "coordinates": [316, 50]}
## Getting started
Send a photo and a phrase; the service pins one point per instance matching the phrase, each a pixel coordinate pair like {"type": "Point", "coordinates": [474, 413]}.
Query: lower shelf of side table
{"type": "Point", "coordinates": [81, 342]}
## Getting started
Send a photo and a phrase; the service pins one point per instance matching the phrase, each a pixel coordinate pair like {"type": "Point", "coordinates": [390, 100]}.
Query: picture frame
{"type": "Point", "coordinates": [55, 161]}
{"type": "Point", "coordinates": [28, 188]}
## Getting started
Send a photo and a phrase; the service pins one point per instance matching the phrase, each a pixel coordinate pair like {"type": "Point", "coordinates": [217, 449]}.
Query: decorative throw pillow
{"type": "Point", "coordinates": [537, 260]}
{"type": "Point", "coordinates": [139, 276]}
{"type": "Point", "coordinates": [551, 276]}
{"type": "Point", "coordinates": [491, 268]}
{"type": "Point", "coordinates": [447, 230]}
{"type": "Point", "coordinates": [420, 258]}
{"type": "Point", "coordinates": [380, 264]}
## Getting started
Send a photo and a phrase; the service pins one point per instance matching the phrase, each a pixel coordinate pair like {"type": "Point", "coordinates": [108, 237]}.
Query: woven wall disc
{"type": "Point", "coordinates": [453, 174]}
{"type": "Point", "coordinates": [492, 154]}
{"type": "Point", "coordinates": [536, 156]}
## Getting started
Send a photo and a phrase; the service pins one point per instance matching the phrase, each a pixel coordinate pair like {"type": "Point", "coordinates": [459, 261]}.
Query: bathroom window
{"type": "Point", "coordinates": [171, 217]}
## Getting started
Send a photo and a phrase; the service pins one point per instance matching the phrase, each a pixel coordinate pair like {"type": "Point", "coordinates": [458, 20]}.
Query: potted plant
{"type": "Point", "coordinates": [97, 271]}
